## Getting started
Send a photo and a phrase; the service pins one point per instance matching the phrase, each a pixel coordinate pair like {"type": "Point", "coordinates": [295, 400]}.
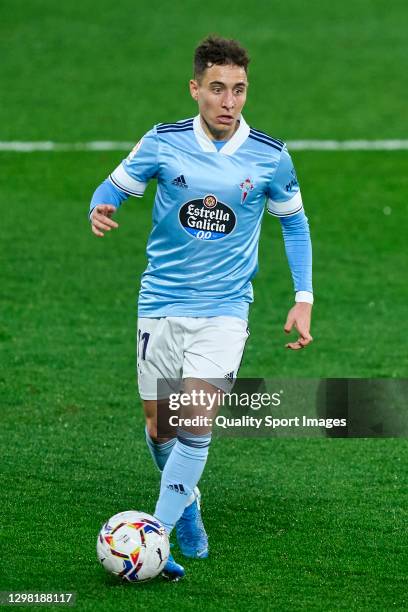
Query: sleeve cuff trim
{"type": "Point", "coordinates": [304, 296]}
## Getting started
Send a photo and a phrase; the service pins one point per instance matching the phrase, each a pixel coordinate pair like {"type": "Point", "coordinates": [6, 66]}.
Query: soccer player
{"type": "Point", "coordinates": [214, 175]}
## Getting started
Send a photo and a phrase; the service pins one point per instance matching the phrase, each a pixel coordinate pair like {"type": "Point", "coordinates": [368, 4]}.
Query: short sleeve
{"type": "Point", "coordinates": [284, 198]}
{"type": "Point", "coordinates": [134, 172]}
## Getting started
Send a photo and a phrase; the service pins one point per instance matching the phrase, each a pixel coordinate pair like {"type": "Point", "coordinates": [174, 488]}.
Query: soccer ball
{"type": "Point", "coordinates": [133, 545]}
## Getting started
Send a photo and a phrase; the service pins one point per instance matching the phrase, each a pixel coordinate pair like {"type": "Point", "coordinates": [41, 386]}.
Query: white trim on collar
{"type": "Point", "coordinates": [230, 146]}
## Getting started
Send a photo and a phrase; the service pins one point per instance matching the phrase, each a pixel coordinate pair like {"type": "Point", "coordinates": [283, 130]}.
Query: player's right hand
{"type": "Point", "coordinates": [101, 221]}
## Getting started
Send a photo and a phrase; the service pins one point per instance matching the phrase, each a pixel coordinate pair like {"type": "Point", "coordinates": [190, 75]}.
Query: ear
{"type": "Point", "coordinates": [194, 89]}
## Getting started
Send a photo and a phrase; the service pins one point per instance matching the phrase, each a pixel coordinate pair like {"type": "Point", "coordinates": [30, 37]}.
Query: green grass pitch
{"type": "Point", "coordinates": [294, 524]}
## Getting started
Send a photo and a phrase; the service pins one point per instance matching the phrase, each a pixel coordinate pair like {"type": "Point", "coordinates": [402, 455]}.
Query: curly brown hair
{"type": "Point", "coordinates": [221, 51]}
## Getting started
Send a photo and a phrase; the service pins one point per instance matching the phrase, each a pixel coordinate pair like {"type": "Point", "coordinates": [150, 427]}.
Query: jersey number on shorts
{"type": "Point", "coordinates": [145, 339]}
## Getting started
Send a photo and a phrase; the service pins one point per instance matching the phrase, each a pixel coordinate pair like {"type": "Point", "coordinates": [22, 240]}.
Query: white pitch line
{"type": "Point", "coordinates": [97, 145]}
{"type": "Point", "coordinates": [347, 145]}
{"type": "Point", "coordinates": [294, 145]}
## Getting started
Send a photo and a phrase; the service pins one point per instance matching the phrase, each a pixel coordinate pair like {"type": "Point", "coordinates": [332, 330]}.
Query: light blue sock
{"type": "Point", "coordinates": [180, 475]}
{"type": "Point", "coordinates": [159, 452]}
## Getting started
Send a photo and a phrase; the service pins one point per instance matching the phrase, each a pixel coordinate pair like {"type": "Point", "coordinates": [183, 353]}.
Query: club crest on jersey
{"type": "Point", "coordinates": [246, 186]}
{"type": "Point", "coordinates": [207, 218]}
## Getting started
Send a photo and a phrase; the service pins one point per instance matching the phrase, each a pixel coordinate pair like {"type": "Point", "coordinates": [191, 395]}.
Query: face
{"type": "Point", "coordinates": [220, 94]}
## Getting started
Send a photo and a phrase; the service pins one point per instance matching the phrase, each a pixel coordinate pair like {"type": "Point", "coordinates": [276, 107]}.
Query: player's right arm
{"type": "Point", "coordinates": [101, 219]}
{"type": "Point", "coordinates": [106, 199]}
{"type": "Point", "coordinates": [128, 179]}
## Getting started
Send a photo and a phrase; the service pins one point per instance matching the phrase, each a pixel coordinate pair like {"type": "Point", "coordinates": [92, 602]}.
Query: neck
{"type": "Point", "coordinates": [214, 134]}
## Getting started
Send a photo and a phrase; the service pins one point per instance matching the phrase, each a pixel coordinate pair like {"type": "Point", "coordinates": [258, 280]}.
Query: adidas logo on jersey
{"type": "Point", "coordinates": [177, 488]}
{"type": "Point", "coordinates": [230, 377]}
{"type": "Point", "coordinates": [180, 181]}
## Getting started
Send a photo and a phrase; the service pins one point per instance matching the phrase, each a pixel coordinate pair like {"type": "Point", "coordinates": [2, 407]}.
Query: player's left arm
{"type": "Point", "coordinates": [298, 246]}
{"type": "Point", "coordinates": [299, 317]}
{"type": "Point", "coordinates": [285, 202]}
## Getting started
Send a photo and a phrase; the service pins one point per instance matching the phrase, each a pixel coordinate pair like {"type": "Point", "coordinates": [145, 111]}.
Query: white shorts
{"type": "Point", "coordinates": [174, 348]}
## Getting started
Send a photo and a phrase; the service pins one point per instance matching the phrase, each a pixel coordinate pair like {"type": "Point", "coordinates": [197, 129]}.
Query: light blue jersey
{"type": "Point", "coordinates": [203, 248]}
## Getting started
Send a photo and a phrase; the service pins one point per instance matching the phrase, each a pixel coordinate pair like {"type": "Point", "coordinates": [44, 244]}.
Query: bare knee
{"type": "Point", "coordinates": [150, 408]}
{"type": "Point", "coordinates": [151, 426]}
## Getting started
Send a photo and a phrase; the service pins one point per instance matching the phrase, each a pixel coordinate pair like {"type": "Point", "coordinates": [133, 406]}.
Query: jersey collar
{"type": "Point", "coordinates": [230, 146]}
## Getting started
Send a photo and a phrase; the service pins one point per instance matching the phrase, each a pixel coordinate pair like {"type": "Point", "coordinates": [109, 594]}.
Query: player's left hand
{"type": "Point", "coordinates": [299, 316]}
